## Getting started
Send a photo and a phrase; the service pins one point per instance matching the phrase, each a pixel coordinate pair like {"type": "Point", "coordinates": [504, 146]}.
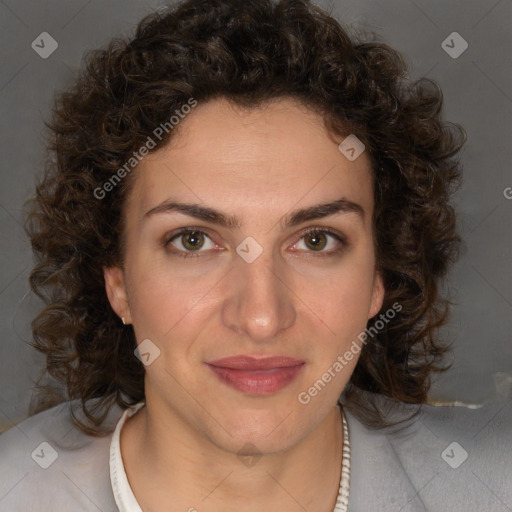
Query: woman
{"type": "Point", "coordinates": [240, 242]}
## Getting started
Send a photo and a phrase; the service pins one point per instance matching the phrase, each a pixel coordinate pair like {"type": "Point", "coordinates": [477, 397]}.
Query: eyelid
{"type": "Point", "coordinates": [324, 229]}
{"type": "Point", "coordinates": [169, 237]}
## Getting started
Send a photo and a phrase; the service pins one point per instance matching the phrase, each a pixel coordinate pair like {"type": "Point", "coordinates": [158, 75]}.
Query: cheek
{"type": "Point", "coordinates": [165, 300]}
{"type": "Point", "coordinates": [341, 297]}
{"type": "Point", "coordinates": [342, 314]}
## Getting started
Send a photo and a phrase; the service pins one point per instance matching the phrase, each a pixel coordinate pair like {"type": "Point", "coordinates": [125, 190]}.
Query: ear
{"type": "Point", "coordinates": [377, 295]}
{"type": "Point", "coordinates": [116, 292]}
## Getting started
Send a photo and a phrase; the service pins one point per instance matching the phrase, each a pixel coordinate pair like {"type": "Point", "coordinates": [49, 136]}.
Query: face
{"type": "Point", "coordinates": [254, 272]}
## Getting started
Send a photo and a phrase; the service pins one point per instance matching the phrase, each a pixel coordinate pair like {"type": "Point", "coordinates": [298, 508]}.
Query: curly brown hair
{"type": "Point", "coordinates": [248, 53]}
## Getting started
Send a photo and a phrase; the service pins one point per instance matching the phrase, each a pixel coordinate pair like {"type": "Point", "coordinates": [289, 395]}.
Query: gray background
{"type": "Point", "coordinates": [477, 93]}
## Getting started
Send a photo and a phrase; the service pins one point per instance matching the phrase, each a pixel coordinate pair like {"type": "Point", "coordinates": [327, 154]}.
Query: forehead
{"type": "Point", "coordinates": [279, 154]}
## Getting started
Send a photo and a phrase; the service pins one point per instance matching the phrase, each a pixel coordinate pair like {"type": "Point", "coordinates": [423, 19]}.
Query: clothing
{"type": "Point", "coordinates": [125, 500]}
{"type": "Point", "coordinates": [416, 469]}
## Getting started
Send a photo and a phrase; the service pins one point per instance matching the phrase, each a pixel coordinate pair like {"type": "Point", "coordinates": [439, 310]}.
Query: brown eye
{"type": "Point", "coordinates": [316, 240]}
{"type": "Point", "coordinates": [193, 240]}
{"type": "Point", "coordinates": [322, 241]}
{"type": "Point", "coordinates": [189, 241]}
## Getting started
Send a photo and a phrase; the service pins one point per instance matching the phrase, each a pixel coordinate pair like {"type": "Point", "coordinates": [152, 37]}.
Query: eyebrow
{"type": "Point", "coordinates": [292, 219]}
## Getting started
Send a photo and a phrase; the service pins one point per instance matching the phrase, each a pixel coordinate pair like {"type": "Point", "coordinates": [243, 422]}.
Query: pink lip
{"type": "Point", "coordinates": [257, 376]}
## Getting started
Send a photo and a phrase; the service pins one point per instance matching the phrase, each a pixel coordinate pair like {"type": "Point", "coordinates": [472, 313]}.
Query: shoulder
{"type": "Point", "coordinates": [46, 452]}
{"type": "Point", "coordinates": [448, 458]}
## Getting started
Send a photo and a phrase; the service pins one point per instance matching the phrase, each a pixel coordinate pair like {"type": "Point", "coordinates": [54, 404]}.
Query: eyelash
{"type": "Point", "coordinates": [192, 254]}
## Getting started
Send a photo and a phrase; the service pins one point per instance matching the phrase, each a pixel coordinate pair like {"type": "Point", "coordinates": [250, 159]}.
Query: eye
{"type": "Point", "coordinates": [189, 241]}
{"type": "Point", "coordinates": [323, 241]}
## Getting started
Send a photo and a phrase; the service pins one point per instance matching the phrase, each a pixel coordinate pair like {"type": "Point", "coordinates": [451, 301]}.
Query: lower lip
{"type": "Point", "coordinates": [257, 382]}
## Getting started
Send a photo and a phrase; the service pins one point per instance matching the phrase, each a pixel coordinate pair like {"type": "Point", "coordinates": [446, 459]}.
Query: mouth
{"type": "Point", "coordinates": [257, 376]}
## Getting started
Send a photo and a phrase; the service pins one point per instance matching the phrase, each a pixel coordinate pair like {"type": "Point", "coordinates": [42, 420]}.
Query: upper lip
{"type": "Point", "coordinates": [243, 362]}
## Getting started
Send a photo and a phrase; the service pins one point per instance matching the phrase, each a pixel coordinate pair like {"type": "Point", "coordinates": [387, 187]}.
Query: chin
{"type": "Point", "coordinates": [254, 444]}
{"type": "Point", "coordinates": [250, 432]}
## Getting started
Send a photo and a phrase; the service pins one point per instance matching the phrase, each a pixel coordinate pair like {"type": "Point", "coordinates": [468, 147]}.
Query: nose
{"type": "Point", "coordinates": [260, 303]}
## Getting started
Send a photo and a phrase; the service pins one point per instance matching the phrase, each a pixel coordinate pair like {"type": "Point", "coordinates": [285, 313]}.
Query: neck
{"type": "Point", "coordinates": [193, 473]}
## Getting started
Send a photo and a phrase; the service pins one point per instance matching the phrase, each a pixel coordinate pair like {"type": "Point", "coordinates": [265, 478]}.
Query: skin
{"type": "Point", "coordinates": [259, 164]}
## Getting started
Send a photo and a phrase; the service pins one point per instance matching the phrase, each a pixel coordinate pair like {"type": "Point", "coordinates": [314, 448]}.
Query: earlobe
{"type": "Point", "coordinates": [377, 296]}
{"type": "Point", "coordinates": [116, 292]}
